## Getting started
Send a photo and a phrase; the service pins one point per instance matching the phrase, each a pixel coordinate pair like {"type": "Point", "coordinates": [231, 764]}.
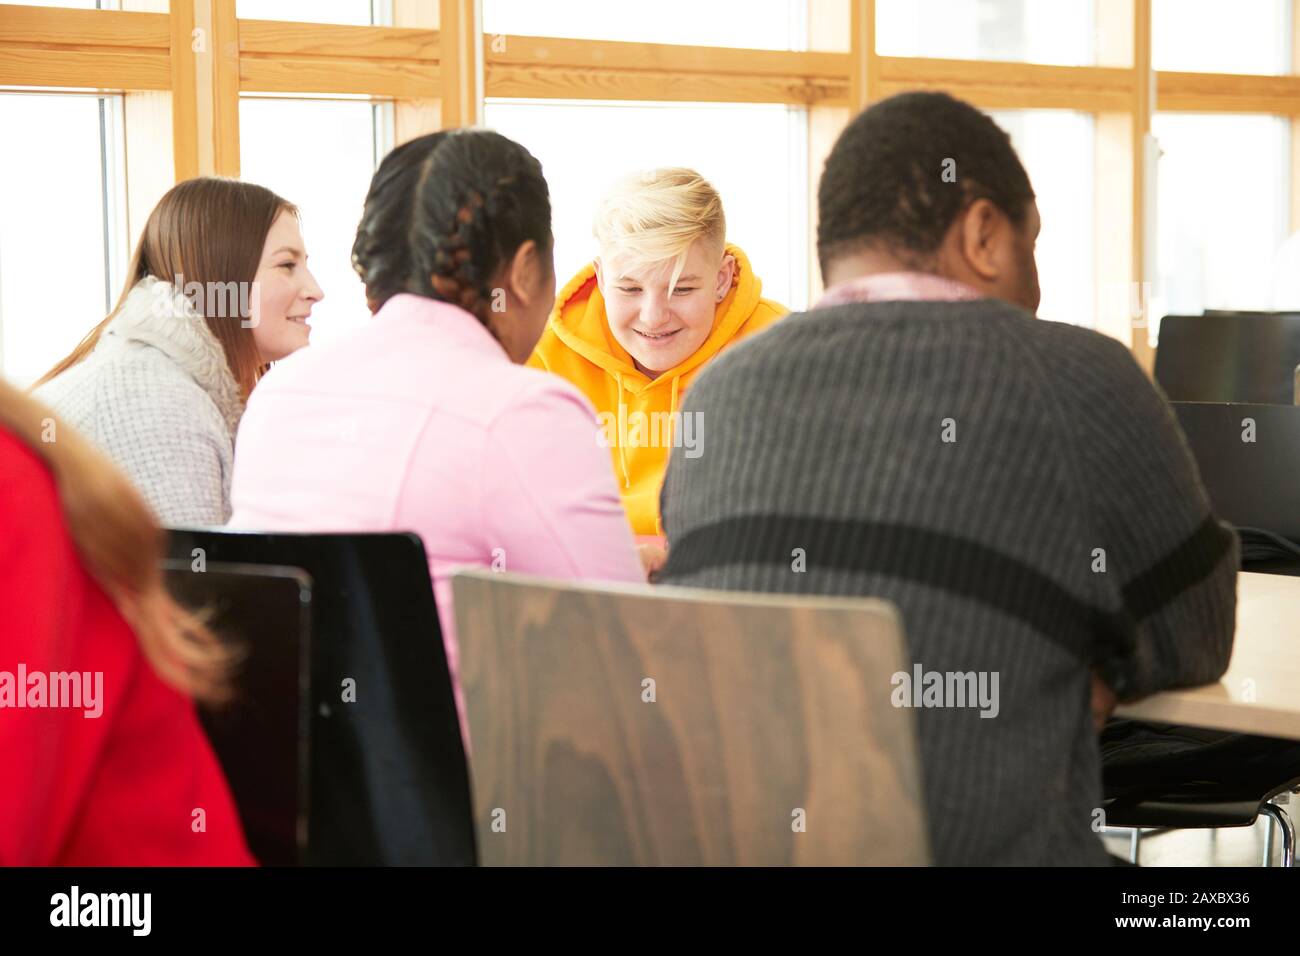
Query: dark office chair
{"type": "Point", "coordinates": [389, 783]}
{"type": "Point", "coordinates": [1178, 778]}
{"type": "Point", "coordinates": [1251, 484]}
{"type": "Point", "coordinates": [1229, 357]}
{"type": "Point", "coordinates": [261, 735]}
{"type": "Point", "coordinates": [1167, 778]}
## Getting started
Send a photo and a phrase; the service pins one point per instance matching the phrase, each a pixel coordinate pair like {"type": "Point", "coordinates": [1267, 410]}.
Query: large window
{"type": "Point", "coordinates": [317, 109]}
{"type": "Point", "coordinates": [62, 231]}
{"type": "Point", "coordinates": [757, 24]}
{"type": "Point", "coordinates": [319, 154]}
{"type": "Point", "coordinates": [1056, 147]}
{"type": "Point", "coordinates": [70, 4]}
{"type": "Point", "coordinates": [1223, 209]}
{"type": "Point", "coordinates": [1058, 32]}
{"type": "Point", "coordinates": [355, 12]}
{"type": "Point", "coordinates": [1210, 36]}
{"type": "Point", "coordinates": [753, 155]}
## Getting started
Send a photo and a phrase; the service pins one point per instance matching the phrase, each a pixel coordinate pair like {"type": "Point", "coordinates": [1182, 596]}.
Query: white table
{"type": "Point", "coordinates": [1260, 693]}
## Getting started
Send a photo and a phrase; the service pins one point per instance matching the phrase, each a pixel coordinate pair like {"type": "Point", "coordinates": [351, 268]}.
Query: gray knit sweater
{"type": "Point", "coordinates": [157, 396]}
{"type": "Point", "coordinates": [1021, 492]}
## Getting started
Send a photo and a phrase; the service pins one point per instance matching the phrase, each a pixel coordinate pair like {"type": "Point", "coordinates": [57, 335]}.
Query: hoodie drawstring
{"type": "Point", "coordinates": [621, 424]}
{"type": "Point", "coordinates": [672, 410]}
{"type": "Point", "coordinates": [674, 424]}
{"type": "Point", "coordinates": [621, 434]}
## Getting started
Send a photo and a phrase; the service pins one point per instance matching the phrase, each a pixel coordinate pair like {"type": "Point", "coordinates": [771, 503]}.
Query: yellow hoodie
{"type": "Point", "coordinates": [637, 413]}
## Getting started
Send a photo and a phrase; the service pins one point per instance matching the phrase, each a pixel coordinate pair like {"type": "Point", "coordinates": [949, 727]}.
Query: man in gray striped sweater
{"type": "Point", "coordinates": [1017, 487]}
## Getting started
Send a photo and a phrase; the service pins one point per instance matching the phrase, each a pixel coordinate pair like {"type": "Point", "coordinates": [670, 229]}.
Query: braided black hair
{"type": "Point", "coordinates": [884, 182]}
{"type": "Point", "coordinates": [444, 212]}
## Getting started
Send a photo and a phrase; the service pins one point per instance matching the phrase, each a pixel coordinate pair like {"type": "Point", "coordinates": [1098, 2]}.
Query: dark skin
{"type": "Point", "coordinates": [527, 286]}
{"type": "Point", "coordinates": [983, 248]}
{"type": "Point", "coordinates": [527, 282]}
{"type": "Point", "coordinates": [988, 251]}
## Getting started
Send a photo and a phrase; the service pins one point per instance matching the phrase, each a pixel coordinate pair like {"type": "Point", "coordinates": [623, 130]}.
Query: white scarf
{"type": "Point", "coordinates": [155, 314]}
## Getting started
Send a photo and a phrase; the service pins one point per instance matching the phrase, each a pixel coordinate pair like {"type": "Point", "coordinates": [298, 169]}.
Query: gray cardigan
{"type": "Point", "coordinates": [157, 396]}
{"type": "Point", "coordinates": [1020, 491]}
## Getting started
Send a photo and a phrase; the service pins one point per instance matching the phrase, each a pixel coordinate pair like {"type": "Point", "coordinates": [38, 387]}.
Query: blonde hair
{"type": "Point", "coordinates": [656, 216]}
{"type": "Point", "coordinates": [121, 545]}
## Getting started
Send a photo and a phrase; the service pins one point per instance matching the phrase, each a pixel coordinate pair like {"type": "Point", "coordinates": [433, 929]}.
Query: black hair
{"type": "Point", "coordinates": [884, 180]}
{"type": "Point", "coordinates": [444, 212]}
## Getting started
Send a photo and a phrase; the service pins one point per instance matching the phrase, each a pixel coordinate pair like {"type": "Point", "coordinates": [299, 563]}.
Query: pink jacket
{"type": "Point", "coordinates": [420, 422]}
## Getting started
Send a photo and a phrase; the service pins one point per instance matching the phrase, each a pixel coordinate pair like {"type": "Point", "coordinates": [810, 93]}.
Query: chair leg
{"type": "Point", "coordinates": [1287, 829]}
{"type": "Point", "coordinates": [1134, 841]}
{"type": "Point", "coordinates": [1269, 827]}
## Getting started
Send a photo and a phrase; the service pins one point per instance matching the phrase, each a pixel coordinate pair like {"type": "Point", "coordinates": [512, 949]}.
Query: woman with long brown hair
{"type": "Point", "coordinates": [217, 289]}
{"type": "Point", "coordinates": [104, 759]}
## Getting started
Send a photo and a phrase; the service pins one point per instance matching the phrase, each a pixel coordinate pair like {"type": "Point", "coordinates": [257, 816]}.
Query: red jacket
{"type": "Point", "coordinates": [120, 789]}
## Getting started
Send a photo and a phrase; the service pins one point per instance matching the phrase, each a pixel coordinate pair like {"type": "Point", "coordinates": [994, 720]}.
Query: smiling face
{"type": "Point", "coordinates": [285, 291]}
{"type": "Point", "coordinates": [661, 327]}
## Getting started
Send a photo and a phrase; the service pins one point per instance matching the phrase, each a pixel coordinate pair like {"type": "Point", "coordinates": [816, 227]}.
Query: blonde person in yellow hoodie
{"type": "Point", "coordinates": [665, 294]}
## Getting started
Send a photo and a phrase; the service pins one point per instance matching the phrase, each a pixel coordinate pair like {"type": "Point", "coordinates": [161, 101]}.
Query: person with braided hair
{"type": "Point", "coordinates": [425, 419]}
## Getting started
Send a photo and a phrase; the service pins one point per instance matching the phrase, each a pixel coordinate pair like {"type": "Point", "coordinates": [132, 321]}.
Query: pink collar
{"type": "Point", "coordinates": [452, 321]}
{"type": "Point", "coordinates": [898, 287]}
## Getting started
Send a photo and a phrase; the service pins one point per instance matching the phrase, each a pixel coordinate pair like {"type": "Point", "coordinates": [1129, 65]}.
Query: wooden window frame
{"type": "Point", "coordinates": [437, 65]}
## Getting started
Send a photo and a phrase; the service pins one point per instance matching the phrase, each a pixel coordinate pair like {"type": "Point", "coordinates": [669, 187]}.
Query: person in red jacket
{"type": "Point", "coordinates": [104, 761]}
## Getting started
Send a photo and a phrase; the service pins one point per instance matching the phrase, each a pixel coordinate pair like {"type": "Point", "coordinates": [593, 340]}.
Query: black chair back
{"type": "Point", "coordinates": [260, 736]}
{"type": "Point", "coordinates": [389, 784]}
{"type": "Point", "coordinates": [1229, 357]}
{"type": "Point", "coordinates": [1249, 459]}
